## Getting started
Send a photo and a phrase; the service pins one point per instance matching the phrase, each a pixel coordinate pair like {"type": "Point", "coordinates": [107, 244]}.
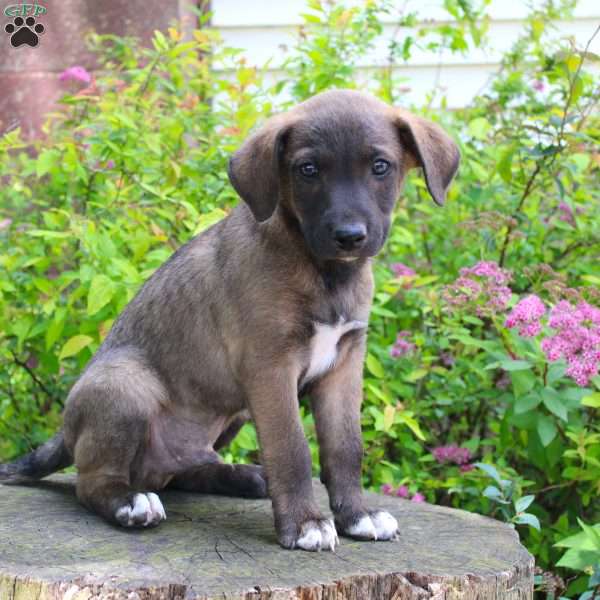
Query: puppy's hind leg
{"type": "Point", "coordinates": [107, 422]}
{"type": "Point", "coordinates": [245, 481]}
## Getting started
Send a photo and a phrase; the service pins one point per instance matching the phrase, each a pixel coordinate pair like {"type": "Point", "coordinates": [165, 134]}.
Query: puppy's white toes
{"type": "Point", "coordinates": [158, 510]}
{"type": "Point", "coordinates": [329, 536]}
{"type": "Point", "coordinates": [146, 510]}
{"type": "Point", "coordinates": [363, 529]}
{"type": "Point", "coordinates": [386, 526]}
{"type": "Point", "coordinates": [317, 535]}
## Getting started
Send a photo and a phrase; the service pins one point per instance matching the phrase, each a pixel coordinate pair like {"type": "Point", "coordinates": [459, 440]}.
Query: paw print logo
{"type": "Point", "coordinates": [24, 31]}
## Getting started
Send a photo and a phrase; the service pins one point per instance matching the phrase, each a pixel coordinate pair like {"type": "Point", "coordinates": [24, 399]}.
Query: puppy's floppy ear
{"type": "Point", "coordinates": [433, 150]}
{"type": "Point", "coordinates": [254, 169]}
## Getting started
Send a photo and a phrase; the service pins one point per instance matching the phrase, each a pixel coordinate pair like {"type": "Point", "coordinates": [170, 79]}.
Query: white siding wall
{"type": "Point", "coordinates": [264, 28]}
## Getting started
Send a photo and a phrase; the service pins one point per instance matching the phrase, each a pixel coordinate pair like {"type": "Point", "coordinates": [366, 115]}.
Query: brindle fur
{"type": "Point", "coordinates": [222, 330]}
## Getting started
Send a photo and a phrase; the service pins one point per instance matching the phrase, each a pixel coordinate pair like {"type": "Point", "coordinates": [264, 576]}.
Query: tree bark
{"type": "Point", "coordinates": [225, 548]}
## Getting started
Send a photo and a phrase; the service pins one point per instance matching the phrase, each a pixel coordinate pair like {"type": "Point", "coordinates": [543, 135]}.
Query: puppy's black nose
{"type": "Point", "coordinates": [351, 236]}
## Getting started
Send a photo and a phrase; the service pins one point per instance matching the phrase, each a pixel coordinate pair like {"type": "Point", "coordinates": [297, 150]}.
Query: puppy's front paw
{"type": "Point", "coordinates": [144, 510]}
{"type": "Point", "coordinates": [317, 535]}
{"type": "Point", "coordinates": [313, 535]}
{"type": "Point", "coordinates": [376, 525]}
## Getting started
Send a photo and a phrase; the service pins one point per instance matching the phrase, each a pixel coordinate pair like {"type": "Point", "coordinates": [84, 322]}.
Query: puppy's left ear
{"type": "Point", "coordinates": [254, 169]}
{"type": "Point", "coordinates": [433, 150]}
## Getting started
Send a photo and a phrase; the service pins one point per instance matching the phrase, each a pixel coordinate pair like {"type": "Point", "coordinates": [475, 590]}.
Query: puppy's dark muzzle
{"type": "Point", "coordinates": [350, 237]}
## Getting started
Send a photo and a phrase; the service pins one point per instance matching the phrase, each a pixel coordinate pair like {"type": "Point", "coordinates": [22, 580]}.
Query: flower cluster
{"type": "Point", "coordinates": [566, 214]}
{"type": "Point", "coordinates": [77, 74]}
{"type": "Point", "coordinates": [577, 339]}
{"type": "Point", "coordinates": [401, 270]}
{"type": "Point", "coordinates": [402, 492]}
{"type": "Point", "coordinates": [454, 454]}
{"type": "Point", "coordinates": [482, 287]}
{"type": "Point", "coordinates": [402, 346]}
{"type": "Point", "coordinates": [526, 316]}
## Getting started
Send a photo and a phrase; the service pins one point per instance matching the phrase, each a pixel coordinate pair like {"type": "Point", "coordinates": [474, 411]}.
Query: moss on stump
{"type": "Point", "coordinates": [214, 547]}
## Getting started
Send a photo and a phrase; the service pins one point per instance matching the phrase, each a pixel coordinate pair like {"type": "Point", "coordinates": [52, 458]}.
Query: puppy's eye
{"type": "Point", "coordinates": [309, 169]}
{"type": "Point", "coordinates": [380, 167]}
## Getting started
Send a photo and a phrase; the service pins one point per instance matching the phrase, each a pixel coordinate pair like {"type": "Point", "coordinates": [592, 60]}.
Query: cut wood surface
{"type": "Point", "coordinates": [225, 548]}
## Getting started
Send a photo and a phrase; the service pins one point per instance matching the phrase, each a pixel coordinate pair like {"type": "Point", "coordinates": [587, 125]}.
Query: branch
{"type": "Point", "coordinates": [560, 148]}
{"type": "Point", "coordinates": [50, 396]}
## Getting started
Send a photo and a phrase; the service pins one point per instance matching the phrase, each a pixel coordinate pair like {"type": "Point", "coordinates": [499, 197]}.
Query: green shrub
{"type": "Point", "coordinates": [463, 405]}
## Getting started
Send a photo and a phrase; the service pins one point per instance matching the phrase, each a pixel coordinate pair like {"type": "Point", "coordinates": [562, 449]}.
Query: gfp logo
{"type": "Point", "coordinates": [24, 29]}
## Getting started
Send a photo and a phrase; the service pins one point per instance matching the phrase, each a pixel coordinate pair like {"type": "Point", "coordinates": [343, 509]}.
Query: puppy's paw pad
{"type": "Point", "coordinates": [363, 529]}
{"type": "Point", "coordinates": [318, 535]}
{"type": "Point", "coordinates": [145, 510]}
{"type": "Point", "coordinates": [386, 526]}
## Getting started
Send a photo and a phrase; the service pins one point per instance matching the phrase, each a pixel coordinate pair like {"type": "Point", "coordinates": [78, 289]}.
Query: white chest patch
{"type": "Point", "coordinates": [323, 346]}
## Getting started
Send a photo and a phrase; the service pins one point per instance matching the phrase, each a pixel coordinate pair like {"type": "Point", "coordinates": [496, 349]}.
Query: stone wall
{"type": "Point", "coordinates": [29, 76]}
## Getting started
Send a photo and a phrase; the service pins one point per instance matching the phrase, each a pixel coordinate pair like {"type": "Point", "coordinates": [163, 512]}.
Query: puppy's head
{"type": "Point", "coordinates": [335, 164]}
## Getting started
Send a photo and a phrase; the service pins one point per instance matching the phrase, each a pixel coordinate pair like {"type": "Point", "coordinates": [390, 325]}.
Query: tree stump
{"type": "Point", "coordinates": [215, 547]}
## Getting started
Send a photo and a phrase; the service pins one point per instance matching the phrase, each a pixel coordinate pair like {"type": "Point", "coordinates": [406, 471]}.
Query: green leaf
{"type": "Point", "coordinates": [528, 402]}
{"type": "Point", "coordinates": [479, 127]}
{"type": "Point", "coordinates": [505, 163]}
{"type": "Point", "coordinates": [56, 327]}
{"type": "Point", "coordinates": [580, 540]}
{"type": "Point", "coordinates": [523, 382]}
{"type": "Point", "coordinates": [246, 438]}
{"type": "Point", "coordinates": [515, 365]}
{"type": "Point", "coordinates": [553, 403]}
{"type": "Point", "coordinates": [374, 367]}
{"type": "Point", "coordinates": [389, 412]}
{"type": "Point", "coordinates": [101, 291]}
{"type": "Point", "coordinates": [591, 533]}
{"type": "Point", "coordinates": [46, 161]}
{"type": "Point", "coordinates": [578, 560]}
{"type": "Point", "coordinates": [546, 429]}
{"type": "Point", "coordinates": [75, 345]}
{"type": "Point", "coordinates": [592, 400]}
{"type": "Point", "coordinates": [491, 471]}
{"type": "Point", "coordinates": [412, 424]}
{"type": "Point", "coordinates": [415, 375]}
{"type": "Point", "coordinates": [522, 504]}
{"type": "Point", "coordinates": [528, 519]}
{"type": "Point", "coordinates": [493, 493]}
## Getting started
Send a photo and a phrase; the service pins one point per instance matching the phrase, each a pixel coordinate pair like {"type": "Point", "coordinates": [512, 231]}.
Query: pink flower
{"type": "Point", "coordinates": [418, 498]}
{"type": "Point", "coordinates": [447, 359]}
{"type": "Point", "coordinates": [401, 346]}
{"type": "Point", "coordinates": [4, 223]}
{"type": "Point", "coordinates": [387, 489]}
{"type": "Point", "coordinates": [481, 288]}
{"type": "Point", "coordinates": [567, 216]}
{"type": "Point", "coordinates": [401, 270]}
{"type": "Point", "coordinates": [110, 164]}
{"type": "Point", "coordinates": [77, 74]}
{"type": "Point", "coordinates": [453, 453]}
{"type": "Point", "coordinates": [402, 492]}
{"type": "Point", "coordinates": [577, 339]}
{"type": "Point", "coordinates": [538, 85]}
{"type": "Point", "coordinates": [525, 315]}
{"type": "Point", "coordinates": [466, 468]}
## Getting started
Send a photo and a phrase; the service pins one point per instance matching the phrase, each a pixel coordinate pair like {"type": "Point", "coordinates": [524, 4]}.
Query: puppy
{"type": "Point", "coordinates": [269, 304]}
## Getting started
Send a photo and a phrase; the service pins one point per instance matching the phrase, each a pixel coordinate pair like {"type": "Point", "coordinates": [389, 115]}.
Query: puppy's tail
{"type": "Point", "coordinates": [48, 458]}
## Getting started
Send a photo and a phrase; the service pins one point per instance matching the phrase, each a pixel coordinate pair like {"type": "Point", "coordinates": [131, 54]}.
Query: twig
{"type": "Point", "coordinates": [510, 227]}
{"type": "Point", "coordinates": [51, 398]}
{"type": "Point", "coordinates": [559, 149]}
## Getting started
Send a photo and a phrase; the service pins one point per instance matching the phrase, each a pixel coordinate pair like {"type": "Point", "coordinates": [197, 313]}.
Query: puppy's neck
{"type": "Point", "coordinates": [337, 273]}
{"type": "Point", "coordinates": [334, 274]}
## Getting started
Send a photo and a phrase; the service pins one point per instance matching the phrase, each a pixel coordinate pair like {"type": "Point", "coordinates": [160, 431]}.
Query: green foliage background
{"type": "Point", "coordinates": [134, 165]}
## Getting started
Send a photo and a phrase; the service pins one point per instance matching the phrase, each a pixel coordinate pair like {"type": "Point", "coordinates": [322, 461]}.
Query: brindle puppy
{"type": "Point", "coordinates": [269, 304]}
